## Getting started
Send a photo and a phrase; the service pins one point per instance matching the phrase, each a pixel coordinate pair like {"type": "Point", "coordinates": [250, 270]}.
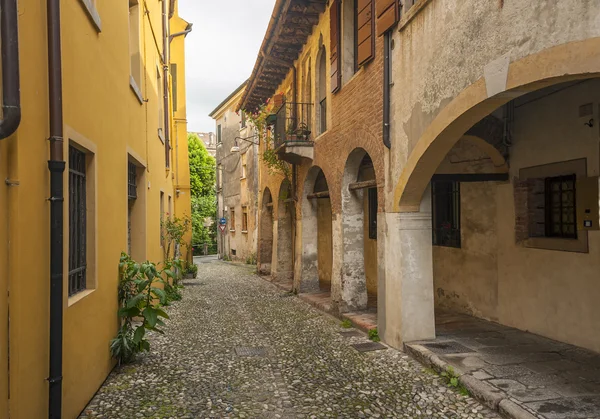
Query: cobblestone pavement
{"type": "Point", "coordinates": [309, 370]}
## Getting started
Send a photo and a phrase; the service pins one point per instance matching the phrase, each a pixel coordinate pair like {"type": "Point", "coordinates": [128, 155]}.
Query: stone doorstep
{"type": "Point", "coordinates": [317, 301]}
{"type": "Point", "coordinates": [488, 395]}
{"type": "Point", "coordinates": [362, 321]}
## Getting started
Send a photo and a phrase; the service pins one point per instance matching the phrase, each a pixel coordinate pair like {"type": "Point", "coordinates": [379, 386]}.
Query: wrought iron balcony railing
{"type": "Point", "coordinates": [293, 124]}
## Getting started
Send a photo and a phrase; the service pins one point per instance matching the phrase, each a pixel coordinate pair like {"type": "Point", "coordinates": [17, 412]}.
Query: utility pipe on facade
{"type": "Point", "coordinates": [387, 39]}
{"type": "Point", "coordinates": [56, 165]}
{"type": "Point", "coordinates": [167, 111]}
{"type": "Point", "coordinates": [11, 97]}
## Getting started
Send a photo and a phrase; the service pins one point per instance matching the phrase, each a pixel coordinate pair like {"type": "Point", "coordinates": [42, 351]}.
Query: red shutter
{"type": "Point", "coordinates": [336, 62]}
{"type": "Point", "coordinates": [365, 31]}
{"type": "Point", "coordinates": [388, 14]}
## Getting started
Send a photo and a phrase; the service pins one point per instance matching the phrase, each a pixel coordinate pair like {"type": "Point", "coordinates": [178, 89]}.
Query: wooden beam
{"type": "Point", "coordinates": [269, 205]}
{"type": "Point", "coordinates": [471, 177]}
{"type": "Point", "coordinates": [287, 201]}
{"type": "Point", "coordinates": [362, 185]}
{"type": "Point", "coordinates": [318, 195]}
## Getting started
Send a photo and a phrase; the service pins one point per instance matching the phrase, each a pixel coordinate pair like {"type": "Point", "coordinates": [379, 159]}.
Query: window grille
{"type": "Point", "coordinates": [446, 213]}
{"type": "Point", "coordinates": [560, 207]}
{"type": "Point", "coordinates": [77, 221]}
{"type": "Point", "coordinates": [372, 213]}
{"type": "Point", "coordinates": [131, 181]}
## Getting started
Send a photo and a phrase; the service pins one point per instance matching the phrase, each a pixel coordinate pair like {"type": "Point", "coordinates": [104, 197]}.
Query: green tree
{"type": "Point", "coordinates": [204, 201]}
{"type": "Point", "coordinates": [202, 167]}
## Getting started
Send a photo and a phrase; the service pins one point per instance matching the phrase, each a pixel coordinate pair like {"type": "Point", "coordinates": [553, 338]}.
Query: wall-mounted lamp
{"type": "Point", "coordinates": [236, 146]}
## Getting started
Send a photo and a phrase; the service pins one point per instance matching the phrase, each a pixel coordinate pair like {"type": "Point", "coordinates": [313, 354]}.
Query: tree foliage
{"type": "Point", "coordinates": [204, 201]}
{"type": "Point", "coordinates": [202, 167]}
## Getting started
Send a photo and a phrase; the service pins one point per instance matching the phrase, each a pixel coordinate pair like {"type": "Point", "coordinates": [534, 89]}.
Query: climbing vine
{"type": "Point", "coordinates": [259, 119]}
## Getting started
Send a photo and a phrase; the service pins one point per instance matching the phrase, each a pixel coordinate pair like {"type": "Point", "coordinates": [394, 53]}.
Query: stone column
{"type": "Point", "coordinates": [409, 305]}
{"type": "Point", "coordinates": [336, 265]}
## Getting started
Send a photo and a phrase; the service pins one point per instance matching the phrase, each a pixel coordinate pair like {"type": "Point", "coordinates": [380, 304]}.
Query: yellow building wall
{"type": "Point", "coordinates": [183, 198]}
{"type": "Point", "coordinates": [3, 282]}
{"type": "Point", "coordinates": [103, 115]}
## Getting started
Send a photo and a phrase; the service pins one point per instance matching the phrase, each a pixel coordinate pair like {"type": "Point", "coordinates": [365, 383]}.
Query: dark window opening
{"type": "Point", "coordinates": [561, 220]}
{"type": "Point", "coordinates": [446, 213]}
{"type": "Point", "coordinates": [243, 116]}
{"type": "Point", "coordinates": [131, 181]}
{"type": "Point", "coordinates": [77, 221]}
{"type": "Point", "coordinates": [372, 213]}
{"type": "Point", "coordinates": [219, 134]}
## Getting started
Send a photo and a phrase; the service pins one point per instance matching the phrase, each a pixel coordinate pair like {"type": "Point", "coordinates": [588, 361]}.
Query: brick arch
{"type": "Point", "coordinates": [342, 146]}
{"type": "Point", "coordinates": [571, 61]}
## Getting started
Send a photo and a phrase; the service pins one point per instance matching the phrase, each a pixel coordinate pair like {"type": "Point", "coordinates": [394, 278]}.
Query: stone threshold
{"type": "Point", "coordinates": [485, 393]}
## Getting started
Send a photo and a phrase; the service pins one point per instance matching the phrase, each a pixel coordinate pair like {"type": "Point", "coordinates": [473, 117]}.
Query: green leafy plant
{"type": "Point", "coordinates": [227, 258]}
{"type": "Point", "coordinates": [346, 324]}
{"type": "Point", "coordinates": [192, 270]}
{"type": "Point", "coordinates": [451, 379]}
{"type": "Point", "coordinates": [251, 259]}
{"type": "Point", "coordinates": [139, 307]}
{"type": "Point", "coordinates": [374, 335]}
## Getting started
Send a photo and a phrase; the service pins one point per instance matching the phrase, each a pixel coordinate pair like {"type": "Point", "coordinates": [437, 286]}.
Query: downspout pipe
{"type": "Point", "coordinates": [165, 25]}
{"type": "Point", "coordinates": [56, 165]}
{"type": "Point", "coordinates": [11, 96]}
{"type": "Point", "coordinates": [386, 89]}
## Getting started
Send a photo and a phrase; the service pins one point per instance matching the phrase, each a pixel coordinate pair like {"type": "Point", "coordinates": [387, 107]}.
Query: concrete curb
{"type": "Point", "coordinates": [488, 395]}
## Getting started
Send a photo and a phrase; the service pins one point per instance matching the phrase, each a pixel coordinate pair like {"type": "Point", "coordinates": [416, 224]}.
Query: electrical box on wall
{"type": "Point", "coordinates": [588, 217]}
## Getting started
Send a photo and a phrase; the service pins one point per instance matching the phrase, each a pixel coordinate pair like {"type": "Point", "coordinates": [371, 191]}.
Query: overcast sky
{"type": "Point", "coordinates": [220, 51]}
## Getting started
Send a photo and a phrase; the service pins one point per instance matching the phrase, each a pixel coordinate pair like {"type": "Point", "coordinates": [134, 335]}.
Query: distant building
{"type": "Point", "coordinates": [210, 141]}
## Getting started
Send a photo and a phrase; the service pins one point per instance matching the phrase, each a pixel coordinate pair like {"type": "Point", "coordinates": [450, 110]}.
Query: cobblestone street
{"type": "Point", "coordinates": [199, 369]}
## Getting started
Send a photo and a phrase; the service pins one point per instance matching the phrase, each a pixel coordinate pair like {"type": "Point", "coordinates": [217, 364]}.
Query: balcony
{"type": "Point", "coordinates": [293, 136]}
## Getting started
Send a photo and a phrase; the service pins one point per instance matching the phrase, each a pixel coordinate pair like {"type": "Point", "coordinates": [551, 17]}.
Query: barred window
{"type": "Point", "coordinates": [446, 213]}
{"type": "Point", "coordinates": [77, 221]}
{"type": "Point", "coordinates": [131, 181]}
{"type": "Point", "coordinates": [560, 207]}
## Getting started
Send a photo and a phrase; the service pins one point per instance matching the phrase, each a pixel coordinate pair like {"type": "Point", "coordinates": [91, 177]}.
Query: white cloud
{"type": "Point", "coordinates": [220, 51]}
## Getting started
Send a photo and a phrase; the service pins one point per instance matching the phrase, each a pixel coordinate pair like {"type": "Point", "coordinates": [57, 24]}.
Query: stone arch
{"type": "Point", "coordinates": [265, 246]}
{"type": "Point", "coordinates": [563, 63]}
{"type": "Point", "coordinates": [283, 248]}
{"type": "Point", "coordinates": [317, 249]}
{"type": "Point", "coordinates": [355, 234]}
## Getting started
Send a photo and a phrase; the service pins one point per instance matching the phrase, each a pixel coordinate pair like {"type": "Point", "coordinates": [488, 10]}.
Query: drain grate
{"type": "Point", "coordinates": [449, 347]}
{"type": "Point", "coordinates": [251, 351]}
{"type": "Point", "coordinates": [368, 346]}
{"type": "Point", "coordinates": [351, 334]}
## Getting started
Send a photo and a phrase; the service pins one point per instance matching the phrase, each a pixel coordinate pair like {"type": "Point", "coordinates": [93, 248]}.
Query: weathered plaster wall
{"type": "Point", "coordinates": [553, 293]}
{"type": "Point", "coordinates": [466, 279]}
{"type": "Point", "coordinates": [428, 73]}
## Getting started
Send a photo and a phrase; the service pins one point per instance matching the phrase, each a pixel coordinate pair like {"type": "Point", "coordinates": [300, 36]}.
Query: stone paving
{"type": "Point", "coordinates": [238, 347]}
{"type": "Point", "coordinates": [547, 378]}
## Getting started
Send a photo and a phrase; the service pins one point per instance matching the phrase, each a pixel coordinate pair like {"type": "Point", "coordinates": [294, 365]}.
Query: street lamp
{"type": "Point", "coordinates": [236, 146]}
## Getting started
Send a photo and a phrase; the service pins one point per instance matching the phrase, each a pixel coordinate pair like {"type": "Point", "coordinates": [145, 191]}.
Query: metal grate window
{"type": "Point", "coordinates": [132, 181]}
{"type": "Point", "coordinates": [446, 213]}
{"type": "Point", "coordinates": [77, 221]}
{"type": "Point", "coordinates": [372, 213]}
{"type": "Point", "coordinates": [560, 207]}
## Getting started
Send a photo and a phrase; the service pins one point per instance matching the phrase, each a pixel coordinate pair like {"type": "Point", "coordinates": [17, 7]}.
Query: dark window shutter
{"type": "Point", "coordinates": [365, 31]}
{"type": "Point", "coordinates": [336, 63]}
{"type": "Point", "coordinates": [388, 14]}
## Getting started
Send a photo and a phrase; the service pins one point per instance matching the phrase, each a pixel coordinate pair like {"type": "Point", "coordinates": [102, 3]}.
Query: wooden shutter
{"type": "Point", "coordinates": [336, 62]}
{"type": "Point", "coordinates": [365, 31]}
{"type": "Point", "coordinates": [388, 14]}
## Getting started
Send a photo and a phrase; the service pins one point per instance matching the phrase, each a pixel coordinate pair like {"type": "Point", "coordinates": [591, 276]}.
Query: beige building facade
{"type": "Point", "coordinates": [237, 181]}
{"type": "Point", "coordinates": [443, 155]}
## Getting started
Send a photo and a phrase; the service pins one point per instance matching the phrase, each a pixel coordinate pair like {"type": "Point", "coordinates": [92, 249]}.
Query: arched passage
{"type": "Point", "coordinates": [265, 246]}
{"type": "Point", "coordinates": [520, 253]}
{"type": "Point", "coordinates": [317, 245]}
{"type": "Point", "coordinates": [563, 63]}
{"type": "Point", "coordinates": [283, 271]}
{"type": "Point", "coordinates": [359, 232]}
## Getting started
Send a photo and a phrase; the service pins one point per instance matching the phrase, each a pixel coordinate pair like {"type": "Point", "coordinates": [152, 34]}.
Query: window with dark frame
{"type": "Point", "coordinates": [561, 219]}
{"type": "Point", "coordinates": [219, 134]}
{"type": "Point", "coordinates": [446, 213]}
{"type": "Point", "coordinates": [232, 221]}
{"type": "Point", "coordinates": [244, 219]}
{"type": "Point", "coordinates": [131, 181]}
{"type": "Point", "coordinates": [372, 197]}
{"type": "Point", "coordinates": [77, 221]}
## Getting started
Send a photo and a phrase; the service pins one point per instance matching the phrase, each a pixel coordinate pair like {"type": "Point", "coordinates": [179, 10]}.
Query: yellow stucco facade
{"type": "Point", "coordinates": [114, 120]}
